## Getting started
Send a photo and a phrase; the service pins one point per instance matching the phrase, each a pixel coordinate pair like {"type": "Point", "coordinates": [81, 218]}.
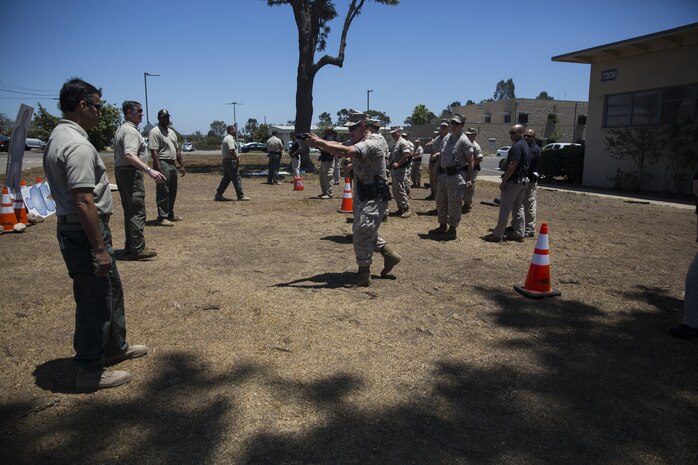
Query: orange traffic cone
{"type": "Point", "coordinates": [20, 211]}
{"type": "Point", "coordinates": [347, 199]}
{"type": "Point", "coordinates": [7, 213]}
{"type": "Point", "coordinates": [298, 184]}
{"type": "Point", "coordinates": [537, 284]}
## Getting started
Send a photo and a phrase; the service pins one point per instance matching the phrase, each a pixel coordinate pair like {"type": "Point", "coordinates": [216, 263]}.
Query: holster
{"type": "Point", "coordinates": [378, 190]}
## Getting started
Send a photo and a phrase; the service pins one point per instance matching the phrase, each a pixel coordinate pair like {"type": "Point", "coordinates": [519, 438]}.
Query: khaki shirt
{"type": "Point", "coordinates": [228, 145]}
{"type": "Point", "coordinates": [164, 142]}
{"type": "Point", "coordinates": [369, 162]}
{"type": "Point", "coordinates": [418, 154]}
{"type": "Point", "coordinates": [128, 140]}
{"type": "Point", "coordinates": [436, 144]}
{"type": "Point", "coordinates": [401, 147]}
{"type": "Point", "coordinates": [477, 154]}
{"type": "Point", "coordinates": [71, 162]}
{"type": "Point", "coordinates": [456, 151]}
{"type": "Point", "coordinates": [274, 144]}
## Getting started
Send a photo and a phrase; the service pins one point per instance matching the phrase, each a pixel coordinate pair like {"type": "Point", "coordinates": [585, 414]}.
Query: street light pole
{"type": "Point", "coordinates": [145, 81]}
{"type": "Point", "coordinates": [235, 117]}
{"type": "Point", "coordinates": [368, 99]}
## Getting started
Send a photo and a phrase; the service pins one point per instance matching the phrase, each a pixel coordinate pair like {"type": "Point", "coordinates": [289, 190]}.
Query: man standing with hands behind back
{"type": "Point", "coordinates": [130, 160]}
{"type": "Point", "coordinates": [231, 166]}
{"type": "Point", "coordinates": [165, 150]}
{"type": "Point", "coordinates": [80, 187]}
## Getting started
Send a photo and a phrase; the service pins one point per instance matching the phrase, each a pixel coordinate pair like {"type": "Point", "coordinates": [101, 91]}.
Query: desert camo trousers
{"type": "Point", "coordinates": [368, 216]}
{"type": "Point", "coordinates": [449, 199]}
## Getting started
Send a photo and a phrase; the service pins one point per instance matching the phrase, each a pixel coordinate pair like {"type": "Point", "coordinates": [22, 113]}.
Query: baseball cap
{"type": "Point", "coordinates": [458, 119]}
{"type": "Point", "coordinates": [163, 112]}
{"type": "Point", "coordinates": [354, 119]}
{"type": "Point", "coordinates": [470, 131]}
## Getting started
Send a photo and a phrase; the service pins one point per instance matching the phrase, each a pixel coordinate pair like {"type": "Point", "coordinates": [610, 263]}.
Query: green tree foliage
{"type": "Point", "coordinates": [102, 135]}
{"type": "Point", "coordinates": [505, 90]}
{"type": "Point", "coordinates": [446, 112]}
{"type": "Point", "coordinates": [544, 96]}
{"type": "Point", "coordinates": [42, 124]}
{"type": "Point", "coordinates": [343, 115]}
{"type": "Point", "coordinates": [5, 124]}
{"type": "Point", "coordinates": [324, 120]}
{"type": "Point", "coordinates": [261, 134]}
{"type": "Point", "coordinates": [218, 128]}
{"type": "Point", "coordinates": [681, 142]}
{"type": "Point", "coordinates": [380, 116]}
{"type": "Point", "coordinates": [251, 127]}
{"type": "Point", "coordinates": [470, 102]}
{"type": "Point", "coordinates": [420, 115]}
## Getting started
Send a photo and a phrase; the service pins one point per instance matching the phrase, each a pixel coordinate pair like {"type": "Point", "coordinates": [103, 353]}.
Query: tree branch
{"type": "Point", "coordinates": [338, 60]}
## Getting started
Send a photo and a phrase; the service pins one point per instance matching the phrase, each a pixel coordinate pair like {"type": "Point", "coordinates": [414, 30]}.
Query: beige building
{"type": "Point", "coordinates": [553, 120]}
{"type": "Point", "coordinates": [647, 83]}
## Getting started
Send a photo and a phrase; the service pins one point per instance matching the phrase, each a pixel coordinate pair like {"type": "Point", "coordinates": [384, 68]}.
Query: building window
{"type": "Point", "coordinates": [582, 120]}
{"type": "Point", "coordinates": [618, 110]}
{"type": "Point", "coordinates": [678, 104]}
{"type": "Point", "coordinates": [488, 118]}
{"type": "Point", "coordinates": [523, 118]}
{"type": "Point", "coordinates": [652, 107]}
{"type": "Point", "coordinates": [507, 117]}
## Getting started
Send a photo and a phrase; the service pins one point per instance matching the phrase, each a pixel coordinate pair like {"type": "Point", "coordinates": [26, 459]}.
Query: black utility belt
{"type": "Point", "coordinates": [167, 160]}
{"type": "Point", "coordinates": [452, 170]}
{"type": "Point", "coordinates": [73, 219]}
{"type": "Point", "coordinates": [376, 191]}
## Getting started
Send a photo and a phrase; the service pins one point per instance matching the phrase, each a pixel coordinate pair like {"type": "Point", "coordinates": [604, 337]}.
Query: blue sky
{"type": "Point", "coordinates": [210, 52]}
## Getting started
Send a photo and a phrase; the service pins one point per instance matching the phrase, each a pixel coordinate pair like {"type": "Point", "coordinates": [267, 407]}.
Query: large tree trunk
{"type": "Point", "coordinates": [304, 81]}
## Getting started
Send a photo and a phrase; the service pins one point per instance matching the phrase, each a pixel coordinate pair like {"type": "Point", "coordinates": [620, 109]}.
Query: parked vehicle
{"type": "Point", "coordinates": [254, 147]}
{"type": "Point", "coordinates": [502, 152]}
{"type": "Point", "coordinates": [4, 143]}
{"type": "Point", "coordinates": [558, 146]}
{"type": "Point", "coordinates": [188, 147]}
{"type": "Point", "coordinates": [34, 144]}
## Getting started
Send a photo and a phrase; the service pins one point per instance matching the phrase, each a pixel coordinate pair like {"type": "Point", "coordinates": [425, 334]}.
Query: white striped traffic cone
{"type": "Point", "coordinates": [7, 212]}
{"type": "Point", "coordinates": [347, 200]}
{"type": "Point", "coordinates": [537, 285]}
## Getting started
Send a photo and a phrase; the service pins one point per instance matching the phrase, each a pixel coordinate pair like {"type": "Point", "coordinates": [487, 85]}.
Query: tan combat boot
{"type": "Point", "coordinates": [363, 277]}
{"type": "Point", "coordinates": [390, 259]}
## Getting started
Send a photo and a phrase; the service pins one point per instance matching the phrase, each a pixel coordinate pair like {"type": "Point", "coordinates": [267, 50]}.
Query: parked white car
{"type": "Point", "coordinates": [34, 144]}
{"type": "Point", "coordinates": [503, 151]}
{"type": "Point", "coordinates": [558, 146]}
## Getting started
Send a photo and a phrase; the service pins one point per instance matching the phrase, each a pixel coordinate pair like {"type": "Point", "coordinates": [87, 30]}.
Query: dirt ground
{"type": "Point", "coordinates": [260, 355]}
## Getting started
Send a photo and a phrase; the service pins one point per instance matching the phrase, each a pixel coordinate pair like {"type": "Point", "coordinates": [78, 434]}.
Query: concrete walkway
{"type": "Point", "coordinates": [629, 198]}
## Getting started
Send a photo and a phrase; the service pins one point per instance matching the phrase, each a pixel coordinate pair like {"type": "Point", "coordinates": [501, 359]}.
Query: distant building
{"type": "Point", "coordinates": [553, 121]}
{"type": "Point", "coordinates": [644, 82]}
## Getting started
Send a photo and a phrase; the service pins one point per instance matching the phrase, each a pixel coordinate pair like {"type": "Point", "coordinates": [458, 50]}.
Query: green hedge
{"type": "Point", "coordinates": [566, 162]}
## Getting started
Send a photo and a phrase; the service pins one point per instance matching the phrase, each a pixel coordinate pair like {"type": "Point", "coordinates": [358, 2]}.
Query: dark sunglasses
{"type": "Point", "coordinates": [98, 106]}
{"type": "Point", "coordinates": [139, 111]}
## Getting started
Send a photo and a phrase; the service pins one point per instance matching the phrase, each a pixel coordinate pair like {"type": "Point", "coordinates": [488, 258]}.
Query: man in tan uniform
{"type": "Point", "coordinates": [417, 155]}
{"type": "Point", "coordinates": [80, 186]}
{"type": "Point", "coordinates": [399, 158]}
{"type": "Point", "coordinates": [165, 151]}
{"type": "Point", "coordinates": [231, 165]}
{"type": "Point", "coordinates": [368, 162]}
{"type": "Point", "coordinates": [435, 145]}
{"type": "Point", "coordinates": [471, 133]}
{"type": "Point", "coordinates": [130, 162]}
{"type": "Point", "coordinates": [276, 149]}
{"type": "Point", "coordinates": [455, 172]}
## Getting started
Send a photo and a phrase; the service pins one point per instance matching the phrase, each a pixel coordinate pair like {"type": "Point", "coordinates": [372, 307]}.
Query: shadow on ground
{"type": "Point", "coordinates": [586, 388]}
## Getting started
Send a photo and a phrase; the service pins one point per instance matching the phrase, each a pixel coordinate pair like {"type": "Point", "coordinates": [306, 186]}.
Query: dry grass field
{"type": "Point", "coordinates": [261, 355]}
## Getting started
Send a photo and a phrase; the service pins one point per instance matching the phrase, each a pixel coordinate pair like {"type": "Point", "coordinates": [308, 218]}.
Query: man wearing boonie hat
{"type": "Point", "coordinates": [164, 149]}
{"type": "Point", "coordinates": [399, 158]}
{"type": "Point", "coordinates": [471, 133]}
{"type": "Point", "coordinates": [455, 172]}
{"type": "Point", "coordinates": [372, 195]}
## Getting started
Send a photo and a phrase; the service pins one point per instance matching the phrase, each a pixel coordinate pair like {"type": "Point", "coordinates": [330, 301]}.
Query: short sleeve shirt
{"type": "Point", "coordinates": [418, 153]}
{"type": "Point", "coordinates": [164, 142]}
{"type": "Point", "coordinates": [477, 154]}
{"type": "Point", "coordinates": [72, 162]}
{"type": "Point", "coordinates": [456, 151]}
{"type": "Point", "coordinates": [274, 144]}
{"type": "Point", "coordinates": [369, 163]}
{"type": "Point", "coordinates": [401, 147]}
{"type": "Point", "coordinates": [535, 157]}
{"type": "Point", "coordinates": [227, 145]}
{"type": "Point", "coordinates": [436, 144]}
{"type": "Point", "coordinates": [520, 153]}
{"type": "Point", "coordinates": [128, 140]}
{"type": "Point", "coordinates": [384, 143]}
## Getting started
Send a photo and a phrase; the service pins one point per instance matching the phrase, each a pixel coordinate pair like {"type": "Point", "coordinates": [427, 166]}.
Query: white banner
{"type": "Point", "coordinates": [15, 155]}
